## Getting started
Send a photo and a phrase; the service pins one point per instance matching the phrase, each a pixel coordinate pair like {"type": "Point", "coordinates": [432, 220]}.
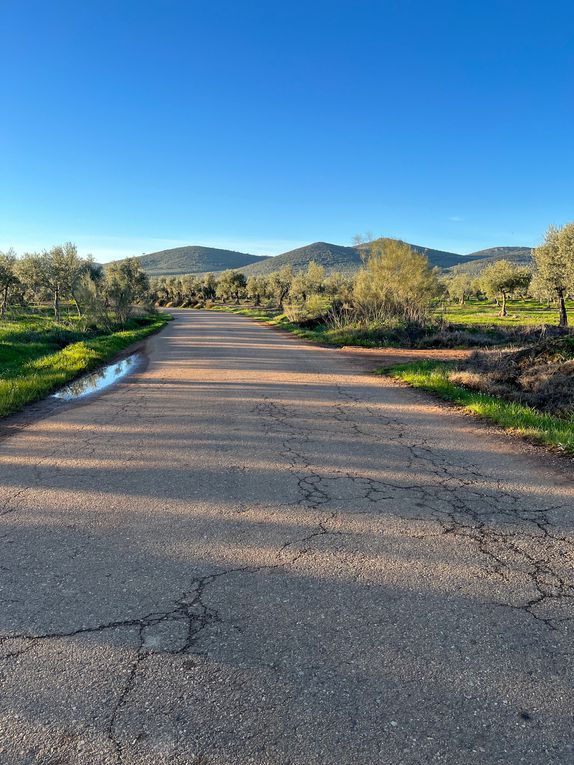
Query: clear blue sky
{"type": "Point", "coordinates": [131, 126]}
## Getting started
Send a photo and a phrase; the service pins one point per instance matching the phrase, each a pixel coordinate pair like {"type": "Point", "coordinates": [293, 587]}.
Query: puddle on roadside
{"type": "Point", "coordinates": [98, 380]}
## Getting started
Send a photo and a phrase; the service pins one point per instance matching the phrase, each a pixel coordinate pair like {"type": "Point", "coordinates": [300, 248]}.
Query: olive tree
{"type": "Point", "coordinates": [280, 284]}
{"type": "Point", "coordinates": [308, 282]}
{"type": "Point", "coordinates": [89, 294]}
{"type": "Point", "coordinates": [8, 277]}
{"type": "Point", "coordinates": [459, 286]}
{"type": "Point", "coordinates": [231, 286]}
{"type": "Point", "coordinates": [257, 289]}
{"type": "Point", "coordinates": [125, 285]}
{"type": "Point", "coordinates": [208, 286]}
{"type": "Point", "coordinates": [554, 261]}
{"type": "Point", "coordinates": [502, 279]}
{"type": "Point", "coordinates": [56, 272]}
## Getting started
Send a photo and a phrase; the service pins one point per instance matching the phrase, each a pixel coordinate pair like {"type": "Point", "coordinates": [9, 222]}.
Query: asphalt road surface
{"type": "Point", "coordinates": [255, 552]}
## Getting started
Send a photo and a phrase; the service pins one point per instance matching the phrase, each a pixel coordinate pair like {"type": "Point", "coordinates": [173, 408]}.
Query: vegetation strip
{"type": "Point", "coordinates": [33, 379]}
{"type": "Point", "coordinates": [433, 376]}
{"type": "Point", "coordinates": [274, 319]}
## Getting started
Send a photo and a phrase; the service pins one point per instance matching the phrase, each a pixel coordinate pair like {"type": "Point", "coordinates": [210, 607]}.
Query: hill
{"type": "Point", "coordinates": [334, 257]}
{"type": "Point", "coordinates": [476, 261]}
{"type": "Point", "coordinates": [194, 260]}
{"type": "Point", "coordinates": [438, 258]}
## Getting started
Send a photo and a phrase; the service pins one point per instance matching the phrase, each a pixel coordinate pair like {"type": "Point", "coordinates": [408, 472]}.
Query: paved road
{"type": "Point", "coordinates": [253, 552]}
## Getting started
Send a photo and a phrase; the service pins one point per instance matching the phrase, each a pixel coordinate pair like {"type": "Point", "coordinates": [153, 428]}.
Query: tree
{"type": "Point", "coordinates": [173, 284]}
{"type": "Point", "coordinates": [395, 282]}
{"type": "Point", "coordinates": [126, 284]}
{"type": "Point", "coordinates": [8, 277]}
{"type": "Point", "coordinates": [190, 289]}
{"type": "Point", "coordinates": [459, 286]}
{"type": "Point", "coordinates": [280, 284]}
{"type": "Point", "coordinates": [256, 289]}
{"type": "Point", "coordinates": [88, 293]}
{"type": "Point", "coordinates": [209, 286]}
{"type": "Point", "coordinates": [31, 272]}
{"type": "Point", "coordinates": [78, 268]}
{"type": "Point", "coordinates": [231, 286]}
{"type": "Point", "coordinates": [567, 253]}
{"type": "Point", "coordinates": [502, 279]}
{"type": "Point", "coordinates": [158, 289]}
{"type": "Point", "coordinates": [554, 261]}
{"type": "Point", "coordinates": [56, 272]}
{"type": "Point", "coordinates": [339, 286]}
{"type": "Point", "coordinates": [309, 282]}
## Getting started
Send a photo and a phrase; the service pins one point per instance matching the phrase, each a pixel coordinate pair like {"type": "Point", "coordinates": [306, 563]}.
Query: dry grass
{"type": "Point", "coordinates": [540, 376]}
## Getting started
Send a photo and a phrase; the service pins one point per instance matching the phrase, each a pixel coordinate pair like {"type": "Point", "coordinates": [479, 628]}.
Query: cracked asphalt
{"type": "Point", "coordinates": [254, 552]}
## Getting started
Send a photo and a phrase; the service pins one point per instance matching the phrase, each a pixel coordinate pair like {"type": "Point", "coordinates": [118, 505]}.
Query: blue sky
{"type": "Point", "coordinates": [129, 127]}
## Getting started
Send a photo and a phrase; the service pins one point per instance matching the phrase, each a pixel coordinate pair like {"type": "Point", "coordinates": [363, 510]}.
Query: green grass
{"type": "Point", "coordinates": [526, 313]}
{"type": "Point", "coordinates": [377, 336]}
{"type": "Point", "coordinates": [37, 355]}
{"type": "Point", "coordinates": [521, 313]}
{"type": "Point", "coordinates": [433, 376]}
{"type": "Point", "coordinates": [474, 325]}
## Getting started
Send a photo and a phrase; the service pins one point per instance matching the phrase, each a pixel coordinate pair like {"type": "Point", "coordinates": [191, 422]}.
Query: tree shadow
{"type": "Point", "coordinates": [208, 567]}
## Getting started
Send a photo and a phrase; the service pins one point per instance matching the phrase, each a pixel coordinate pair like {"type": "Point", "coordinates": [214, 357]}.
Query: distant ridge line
{"type": "Point", "coordinates": [197, 259]}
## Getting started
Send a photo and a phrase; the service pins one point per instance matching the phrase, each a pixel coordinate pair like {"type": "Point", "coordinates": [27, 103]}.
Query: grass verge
{"type": "Point", "coordinates": [433, 376]}
{"type": "Point", "coordinates": [362, 338]}
{"type": "Point", "coordinates": [274, 319]}
{"type": "Point", "coordinates": [395, 334]}
{"type": "Point", "coordinates": [35, 378]}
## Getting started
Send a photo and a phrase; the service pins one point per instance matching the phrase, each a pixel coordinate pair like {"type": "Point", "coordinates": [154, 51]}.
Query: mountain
{"type": "Point", "coordinates": [476, 261]}
{"type": "Point", "coordinates": [334, 257]}
{"type": "Point", "coordinates": [438, 258]}
{"type": "Point", "coordinates": [194, 260]}
{"type": "Point", "coordinates": [515, 254]}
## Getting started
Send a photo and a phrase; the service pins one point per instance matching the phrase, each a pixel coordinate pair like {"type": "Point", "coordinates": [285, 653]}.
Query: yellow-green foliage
{"type": "Point", "coordinates": [396, 281]}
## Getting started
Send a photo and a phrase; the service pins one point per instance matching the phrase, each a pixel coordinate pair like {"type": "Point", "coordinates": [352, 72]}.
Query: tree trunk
{"type": "Point", "coordinates": [462, 300]}
{"type": "Point", "coordinates": [282, 297]}
{"type": "Point", "coordinates": [78, 309]}
{"type": "Point", "coordinates": [503, 306]}
{"type": "Point", "coordinates": [562, 307]}
{"type": "Point", "coordinates": [4, 301]}
{"type": "Point", "coordinates": [57, 305]}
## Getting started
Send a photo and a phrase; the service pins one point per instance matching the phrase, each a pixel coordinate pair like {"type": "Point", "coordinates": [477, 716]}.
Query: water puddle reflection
{"type": "Point", "coordinates": [98, 380]}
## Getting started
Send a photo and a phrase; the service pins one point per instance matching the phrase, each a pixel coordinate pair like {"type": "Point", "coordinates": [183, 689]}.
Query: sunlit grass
{"type": "Point", "coordinates": [33, 362]}
{"type": "Point", "coordinates": [470, 334]}
{"type": "Point", "coordinates": [433, 376]}
{"type": "Point", "coordinates": [520, 313]}
{"type": "Point", "coordinates": [527, 313]}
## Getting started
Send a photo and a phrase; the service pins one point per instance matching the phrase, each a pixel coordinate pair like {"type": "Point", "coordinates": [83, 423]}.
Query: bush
{"type": "Point", "coordinates": [396, 282]}
{"type": "Point", "coordinates": [314, 310]}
